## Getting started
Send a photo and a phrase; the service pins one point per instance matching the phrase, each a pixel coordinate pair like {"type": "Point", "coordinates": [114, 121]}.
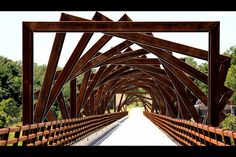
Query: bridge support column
{"type": "Point", "coordinates": [28, 65]}
{"type": "Point", "coordinates": [213, 76]}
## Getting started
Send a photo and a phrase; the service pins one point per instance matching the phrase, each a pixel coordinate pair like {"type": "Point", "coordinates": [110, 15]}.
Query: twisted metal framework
{"type": "Point", "coordinates": [123, 70]}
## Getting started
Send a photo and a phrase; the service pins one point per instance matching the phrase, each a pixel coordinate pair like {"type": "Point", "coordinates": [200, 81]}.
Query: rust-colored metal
{"type": "Point", "coordinates": [167, 79]}
{"type": "Point", "coordinates": [189, 133]}
{"type": "Point", "coordinates": [57, 133]}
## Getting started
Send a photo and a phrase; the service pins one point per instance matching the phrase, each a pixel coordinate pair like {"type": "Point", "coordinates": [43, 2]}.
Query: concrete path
{"type": "Point", "coordinates": [137, 130]}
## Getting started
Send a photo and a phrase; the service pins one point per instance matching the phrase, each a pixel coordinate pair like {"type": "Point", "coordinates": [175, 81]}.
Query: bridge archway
{"type": "Point", "coordinates": [171, 87]}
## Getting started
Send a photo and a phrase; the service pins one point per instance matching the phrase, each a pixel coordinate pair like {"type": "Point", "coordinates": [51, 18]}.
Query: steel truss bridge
{"type": "Point", "coordinates": [167, 82]}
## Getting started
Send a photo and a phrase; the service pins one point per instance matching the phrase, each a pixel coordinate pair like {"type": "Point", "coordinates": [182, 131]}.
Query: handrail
{"type": "Point", "coordinates": [190, 133]}
{"type": "Point", "coordinates": [56, 133]}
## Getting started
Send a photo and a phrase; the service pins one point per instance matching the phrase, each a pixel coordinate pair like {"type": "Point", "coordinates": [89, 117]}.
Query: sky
{"type": "Point", "coordinates": [11, 31]}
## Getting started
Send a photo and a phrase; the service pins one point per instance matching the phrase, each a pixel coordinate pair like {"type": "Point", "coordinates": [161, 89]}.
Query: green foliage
{"type": "Point", "coordinates": [204, 69]}
{"type": "Point", "coordinates": [10, 92]}
{"type": "Point", "coordinates": [191, 61]}
{"type": "Point", "coordinates": [229, 122]}
{"type": "Point", "coordinates": [39, 72]}
{"type": "Point", "coordinates": [230, 81]}
{"type": "Point", "coordinates": [10, 80]}
{"type": "Point", "coordinates": [231, 52]}
{"type": "Point", "coordinates": [10, 112]}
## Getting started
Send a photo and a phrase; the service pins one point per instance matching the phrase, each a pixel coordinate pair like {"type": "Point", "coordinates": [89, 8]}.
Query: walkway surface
{"type": "Point", "coordinates": [137, 130]}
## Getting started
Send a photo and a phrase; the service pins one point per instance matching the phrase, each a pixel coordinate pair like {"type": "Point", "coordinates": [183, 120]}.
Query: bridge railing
{"type": "Point", "coordinates": [189, 133]}
{"type": "Point", "coordinates": [55, 133]}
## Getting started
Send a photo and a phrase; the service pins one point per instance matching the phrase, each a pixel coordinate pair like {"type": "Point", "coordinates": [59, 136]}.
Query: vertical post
{"type": "Point", "coordinates": [114, 102]}
{"type": "Point", "coordinates": [28, 66]}
{"type": "Point", "coordinates": [73, 107]}
{"type": "Point", "coordinates": [213, 76]}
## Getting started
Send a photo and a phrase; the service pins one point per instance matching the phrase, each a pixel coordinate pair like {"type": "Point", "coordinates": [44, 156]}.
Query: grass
{"type": "Point", "coordinates": [12, 134]}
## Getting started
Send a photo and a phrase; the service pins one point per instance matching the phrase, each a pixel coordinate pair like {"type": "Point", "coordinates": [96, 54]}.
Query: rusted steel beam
{"type": "Point", "coordinates": [91, 102]}
{"type": "Point", "coordinates": [86, 109]}
{"type": "Point", "coordinates": [170, 91]}
{"type": "Point", "coordinates": [161, 103]}
{"type": "Point", "coordinates": [82, 91]}
{"type": "Point", "coordinates": [224, 100]}
{"type": "Point", "coordinates": [213, 76]}
{"type": "Point", "coordinates": [101, 58]}
{"type": "Point", "coordinates": [121, 98]}
{"type": "Point", "coordinates": [28, 64]}
{"type": "Point", "coordinates": [223, 73]}
{"type": "Point", "coordinates": [151, 69]}
{"type": "Point", "coordinates": [146, 104]}
{"type": "Point", "coordinates": [73, 96]}
{"type": "Point", "coordinates": [124, 26]}
{"type": "Point", "coordinates": [180, 90]}
{"type": "Point", "coordinates": [62, 78]}
{"type": "Point", "coordinates": [95, 48]}
{"type": "Point", "coordinates": [139, 95]}
{"type": "Point", "coordinates": [127, 101]}
{"type": "Point", "coordinates": [188, 83]}
{"type": "Point", "coordinates": [177, 63]}
{"type": "Point", "coordinates": [126, 55]}
{"type": "Point", "coordinates": [90, 54]}
{"type": "Point", "coordinates": [92, 84]}
{"type": "Point", "coordinates": [62, 106]}
{"type": "Point", "coordinates": [172, 111]}
{"type": "Point", "coordinates": [104, 106]}
{"type": "Point", "coordinates": [49, 76]}
{"type": "Point", "coordinates": [169, 88]}
{"type": "Point", "coordinates": [138, 61]}
{"type": "Point", "coordinates": [51, 116]}
{"type": "Point", "coordinates": [114, 74]}
{"type": "Point", "coordinates": [149, 39]}
{"type": "Point", "coordinates": [140, 38]}
{"type": "Point", "coordinates": [155, 75]}
{"type": "Point", "coordinates": [183, 109]}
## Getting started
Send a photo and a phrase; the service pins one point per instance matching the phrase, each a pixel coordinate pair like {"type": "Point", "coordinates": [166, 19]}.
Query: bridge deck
{"type": "Point", "coordinates": [137, 130]}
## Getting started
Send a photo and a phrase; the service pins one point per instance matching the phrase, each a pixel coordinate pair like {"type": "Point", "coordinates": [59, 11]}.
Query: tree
{"type": "Point", "coordinates": [230, 81]}
{"type": "Point", "coordinates": [204, 69]}
{"type": "Point", "coordinates": [10, 92]}
{"type": "Point", "coordinates": [10, 80]}
{"type": "Point", "coordinates": [39, 72]}
{"type": "Point", "coordinates": [10, 112]}
{"type": "Point", "coordinates": [191, 61]}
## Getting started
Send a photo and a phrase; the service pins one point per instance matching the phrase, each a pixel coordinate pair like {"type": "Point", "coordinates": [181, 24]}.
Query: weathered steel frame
{"type": "Point", "coordinates": [133, 63]}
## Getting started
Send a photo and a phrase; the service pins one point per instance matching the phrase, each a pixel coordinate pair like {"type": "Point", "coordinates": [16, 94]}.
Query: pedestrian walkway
{"type": "Point", "coordinates": [138, 130]}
